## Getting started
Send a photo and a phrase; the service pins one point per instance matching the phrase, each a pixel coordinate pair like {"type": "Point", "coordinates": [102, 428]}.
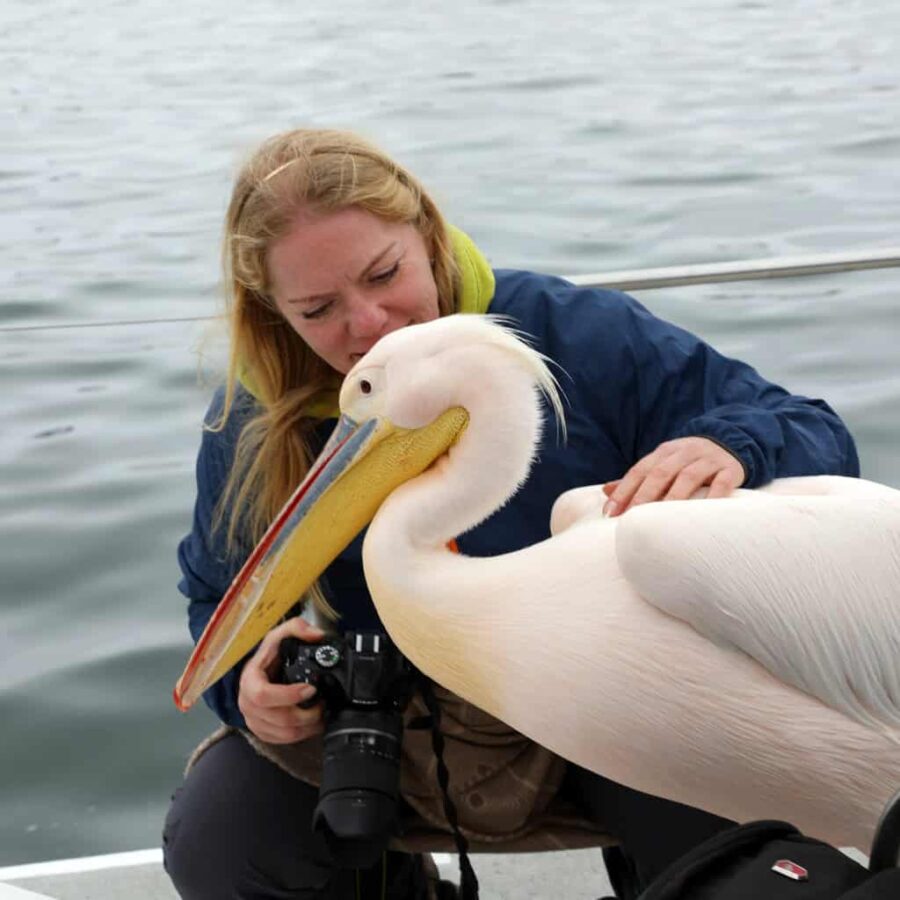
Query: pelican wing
{"type": "Point", "coordinates": [804, 578]}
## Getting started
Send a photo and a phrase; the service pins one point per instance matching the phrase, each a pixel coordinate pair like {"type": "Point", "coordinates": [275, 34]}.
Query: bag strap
{"type": "Point", "coordinates": [468, 881]}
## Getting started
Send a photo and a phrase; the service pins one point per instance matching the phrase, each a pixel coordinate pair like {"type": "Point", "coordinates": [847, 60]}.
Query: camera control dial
{"type": "Point", "coordinates": [327, 656]}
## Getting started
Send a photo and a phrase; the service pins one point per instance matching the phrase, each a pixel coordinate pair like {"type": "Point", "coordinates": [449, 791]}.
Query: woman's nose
{"type": "Point", "coordinates": [367, 318]}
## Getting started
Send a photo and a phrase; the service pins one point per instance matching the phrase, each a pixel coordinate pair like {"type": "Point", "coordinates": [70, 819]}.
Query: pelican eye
{"type": "Point", "coordinates": [365, 386]}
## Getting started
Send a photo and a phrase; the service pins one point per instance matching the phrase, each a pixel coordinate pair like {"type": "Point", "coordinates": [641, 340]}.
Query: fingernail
{"type": "Point", "coordinates": [610, 508]}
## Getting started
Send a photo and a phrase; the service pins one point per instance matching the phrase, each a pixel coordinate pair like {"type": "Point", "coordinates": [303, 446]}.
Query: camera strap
{"type": "Point", "coordinates": [468, 881]}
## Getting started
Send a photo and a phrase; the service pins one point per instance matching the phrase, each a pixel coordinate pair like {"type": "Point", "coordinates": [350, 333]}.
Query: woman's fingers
{"type": "Point", "coordinates": [286, 720]}
{"type": "Point", "coordinates": [647, 480]}
{"type": "Point", "coordinates": [726, 481]}
{"type": "Point", "coordinates": [256, 689]}
{"type": "Point", "coordinates": [610, 486]}
{"type": "Point", "coordinates": [278, 733]}
{"type": "Point", "coordinates": [284, 724]}
{"type": "Point", "coordinates": [271, 709]}
{"type": "Point", "coordinates": [629, 484]}
{"type": "Point", "coordinates": [690, 479]}
{"type": "Point", "coordinates": [675, 471]}
{"type": "Point", "coordinates": [267, 655]}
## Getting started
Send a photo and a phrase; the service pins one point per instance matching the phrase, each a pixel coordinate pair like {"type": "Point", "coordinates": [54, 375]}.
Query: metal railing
{"type": "Point", "coordinates": [745, 270]}
{"type": "Point", "coordinates": [639, 279]}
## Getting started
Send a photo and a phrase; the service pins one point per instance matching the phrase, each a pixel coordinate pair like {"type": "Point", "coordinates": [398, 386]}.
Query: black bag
{"type": "Point", "coordinates": [773, 861]}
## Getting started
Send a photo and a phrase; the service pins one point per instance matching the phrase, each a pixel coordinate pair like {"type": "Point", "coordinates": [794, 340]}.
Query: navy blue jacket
{"type": "Point", "coordinates": [631, 381]}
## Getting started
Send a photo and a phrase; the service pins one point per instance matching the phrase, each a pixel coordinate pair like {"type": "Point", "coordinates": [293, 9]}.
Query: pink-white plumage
{"type": "Point", "coordinates": [676, 649]}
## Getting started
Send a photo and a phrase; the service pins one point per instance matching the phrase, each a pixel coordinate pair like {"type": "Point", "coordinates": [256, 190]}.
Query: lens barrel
{"type": "Point", "coordinates": [360, 748]}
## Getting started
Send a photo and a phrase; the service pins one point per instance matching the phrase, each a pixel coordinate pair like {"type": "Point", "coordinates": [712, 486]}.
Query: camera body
{"type": "Point", "coordinates": [365, 684]}
{"type": "Point", "coordinates": [359, 670]}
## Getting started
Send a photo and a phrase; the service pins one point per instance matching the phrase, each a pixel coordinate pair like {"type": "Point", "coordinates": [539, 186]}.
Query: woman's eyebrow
{"type": "Point", "coordinates": [377, 259]}
{"type": "Point", "coordinates": [330, 295]}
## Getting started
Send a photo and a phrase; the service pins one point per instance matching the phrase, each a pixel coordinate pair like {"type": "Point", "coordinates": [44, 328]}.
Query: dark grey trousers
{"type": "Point", "coordinates": [239, 829]}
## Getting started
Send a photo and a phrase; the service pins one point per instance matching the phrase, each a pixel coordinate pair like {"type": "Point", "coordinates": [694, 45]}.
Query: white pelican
{"type": "Point", "coordinates": [739, 655]}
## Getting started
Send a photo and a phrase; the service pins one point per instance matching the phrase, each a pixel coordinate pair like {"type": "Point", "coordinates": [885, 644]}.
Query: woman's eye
{"type": "Point", "coordinates": [317, 313]}
{"type": "Point", "coordinates": [387, 274]}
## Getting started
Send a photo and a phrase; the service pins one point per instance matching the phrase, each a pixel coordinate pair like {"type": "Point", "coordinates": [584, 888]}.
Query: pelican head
{"type": "Point", "coordinates": [405, 406]}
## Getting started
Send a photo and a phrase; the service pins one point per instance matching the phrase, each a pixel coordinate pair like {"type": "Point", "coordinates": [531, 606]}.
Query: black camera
{"type": "Point", "coordinates": [365, 683]}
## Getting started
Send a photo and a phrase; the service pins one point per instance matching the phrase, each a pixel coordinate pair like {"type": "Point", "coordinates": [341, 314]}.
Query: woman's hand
{"type": "Point", "coordinates": [270, 709]}
{"type": "Point", "coordinates": [674, 471]}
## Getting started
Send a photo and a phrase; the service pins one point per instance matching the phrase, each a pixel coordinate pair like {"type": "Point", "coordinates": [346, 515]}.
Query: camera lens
{"type": "Point", "coordinates": [359, 792]}
{"type": "Point", "coordinates": [365, 683]}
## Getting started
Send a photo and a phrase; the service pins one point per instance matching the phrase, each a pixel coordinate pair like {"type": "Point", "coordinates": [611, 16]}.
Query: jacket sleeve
{"type": "Point", "coordinates": [685, 388]}
{"type": "Point", "coordinates": [207, 569]}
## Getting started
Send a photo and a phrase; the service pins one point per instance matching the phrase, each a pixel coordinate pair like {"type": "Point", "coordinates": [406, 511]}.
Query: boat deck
{"type": "Point", "coordinates": [575, 874]}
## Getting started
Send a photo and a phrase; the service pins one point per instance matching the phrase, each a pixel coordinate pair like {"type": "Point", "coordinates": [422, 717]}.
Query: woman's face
{"type": "Point", "coordinates": [345, 279]}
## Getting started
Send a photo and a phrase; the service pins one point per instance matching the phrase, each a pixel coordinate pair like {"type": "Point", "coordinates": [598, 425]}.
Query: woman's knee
{"type": "Point", "coordinates": [196, 862]}
{"type": "Point", "coordinates": [239, 828]}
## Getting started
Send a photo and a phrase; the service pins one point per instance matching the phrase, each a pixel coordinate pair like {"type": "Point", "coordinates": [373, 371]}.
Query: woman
{"type": "Point", "coordinates": [329, 246]}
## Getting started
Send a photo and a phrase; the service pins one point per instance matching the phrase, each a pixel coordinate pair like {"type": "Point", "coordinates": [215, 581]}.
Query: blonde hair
{"type": "Point", "coordinates": [304, 169]}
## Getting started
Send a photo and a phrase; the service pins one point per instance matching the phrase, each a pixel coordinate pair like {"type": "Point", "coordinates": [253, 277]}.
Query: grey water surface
{"type": "Point", "coordinates": [575, 137]}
